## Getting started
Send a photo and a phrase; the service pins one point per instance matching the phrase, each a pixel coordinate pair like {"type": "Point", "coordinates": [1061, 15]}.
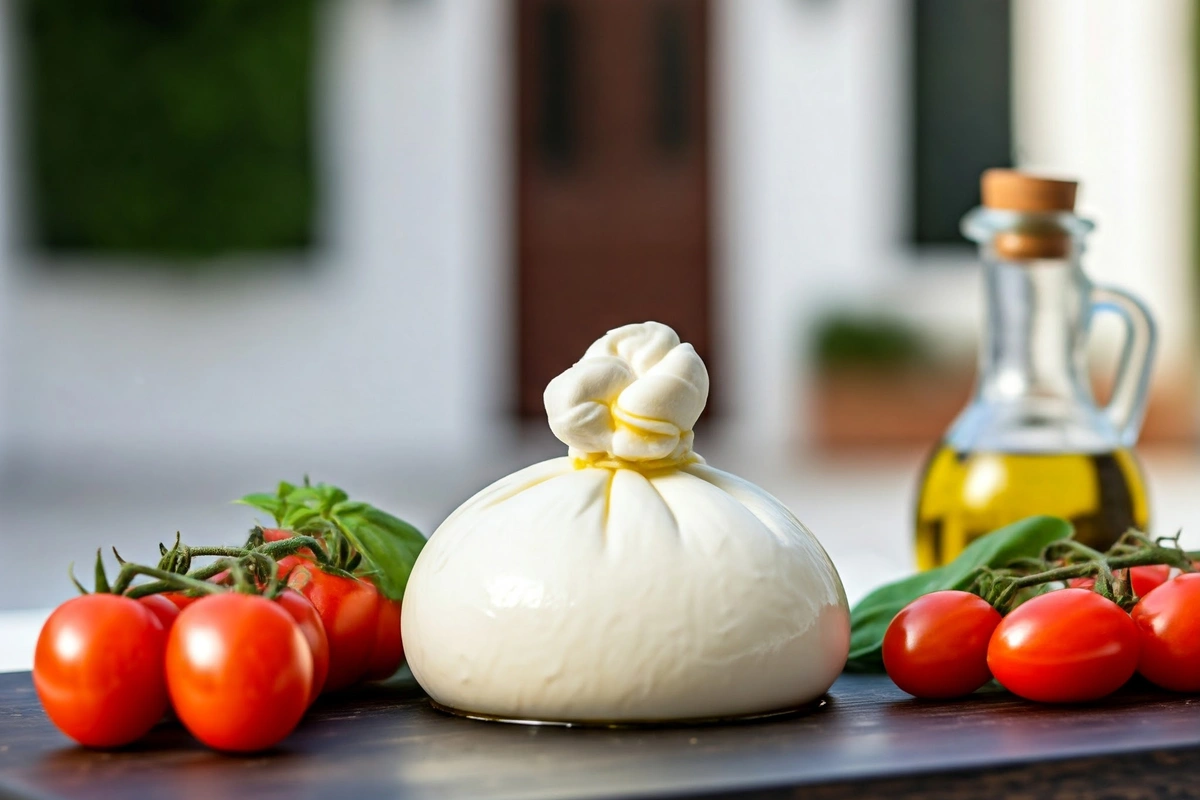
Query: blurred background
{"type": "Point", "coordinates": [242, 241]}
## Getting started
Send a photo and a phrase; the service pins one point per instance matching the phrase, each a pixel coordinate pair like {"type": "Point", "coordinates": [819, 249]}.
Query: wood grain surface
{"type": "Point", "coordinates": [871, 740]}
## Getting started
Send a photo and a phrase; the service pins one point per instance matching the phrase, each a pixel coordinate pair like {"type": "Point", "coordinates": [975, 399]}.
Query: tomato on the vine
{"type": "Point", "coordinates": [388, 650]}
{"type": "Point", "coordinates": [349, 608]}
{"type": "Point", "coordinates": [936, 647]}
{"type": "Point", "coordinates": [179, 599]}
{"type": "Point", "coordinates": [306, 617]}
{"type": "Point", "coordinates": [1143, 580]}
{"type": "Point", "coordinates": [162, 607]}
{"type": "Point", "coordinates": [1168, 624]}
{"type": "Point", "coordinates": [98, 669]}
{"type": "Point", "coordinates": [239, 671]}
{"type": "Point", "coordinates": [287, 563]}
{"type": "Point", "coordinates": [1067, 646]}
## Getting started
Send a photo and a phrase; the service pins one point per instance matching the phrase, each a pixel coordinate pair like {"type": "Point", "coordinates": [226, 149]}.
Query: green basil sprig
{"type": "Point", "coordinates": [871, 617]}
{"type": "Point", "coordinates": [388, 545]}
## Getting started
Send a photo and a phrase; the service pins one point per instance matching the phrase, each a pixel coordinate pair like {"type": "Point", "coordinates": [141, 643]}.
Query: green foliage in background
{"type": "Point", "coordinates": [170, 127]}
{"type": "Point", "coordinates": [850, 340]}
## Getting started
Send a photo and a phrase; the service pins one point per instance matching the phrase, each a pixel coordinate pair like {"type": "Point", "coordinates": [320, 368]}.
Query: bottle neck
{"type": "Point", "coordinates": [1033, 343]}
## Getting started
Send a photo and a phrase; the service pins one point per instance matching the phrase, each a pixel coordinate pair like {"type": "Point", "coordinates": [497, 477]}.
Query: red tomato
{"type": "Point", "coordinates": [1144, 579]}
{"type": "Point", "coordinates": [179, 599]}
{"type": "Point", "coordinates": [161, 607]}
{"type": "Point", "coordinates": [98, 669]}
{"type": "Point", "coordinates": [349, 607]}
{"type": "Point", "coordinates": [278, 535]}
{"type": "Point", "coordinates": [937, 645]}
{"type": "Point", "coordinates": [306, 616]}
{"type": "Point", "coordinates": [1067, 646]}
{"type": "Point", "coordinates": [289, 563]}
{"type": "Point", "coordinates": [239, 671]}
{"type": "Point", "coordinates": [1168, 623]}
{"type": "Point", "coordinates": [388, 651]}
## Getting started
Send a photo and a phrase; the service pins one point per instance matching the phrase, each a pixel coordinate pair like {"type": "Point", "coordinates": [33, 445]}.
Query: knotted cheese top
{"type": "Point", "coordinates": [632, 399]}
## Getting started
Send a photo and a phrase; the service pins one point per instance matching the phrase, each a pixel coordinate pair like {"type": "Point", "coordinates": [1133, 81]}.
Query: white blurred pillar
{"type": "Point", "coordinates": [1103, 91]}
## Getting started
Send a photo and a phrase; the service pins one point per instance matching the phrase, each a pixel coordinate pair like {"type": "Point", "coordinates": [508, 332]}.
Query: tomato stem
{"type": "Point", "coordinates": [168, 581]}
{"type": "Point", "coordinates": [1068, 559]}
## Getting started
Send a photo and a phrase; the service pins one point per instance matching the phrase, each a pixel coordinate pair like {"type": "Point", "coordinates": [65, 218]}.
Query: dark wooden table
{"type": "Point", "coordinates": [869, 740]}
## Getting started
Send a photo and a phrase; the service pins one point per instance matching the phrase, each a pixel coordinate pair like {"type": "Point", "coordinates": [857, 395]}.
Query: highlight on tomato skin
{"type": "Point", "coordinates": [239, 672]}
{"type": "Point", "coordinates": [98, 669]}
{"type": "Point", "coordinates": [1168, 625]}
{"type": "Point", "coordinates": [1067, 646]}
{"type": "Point", "coordinates": [936, 647]}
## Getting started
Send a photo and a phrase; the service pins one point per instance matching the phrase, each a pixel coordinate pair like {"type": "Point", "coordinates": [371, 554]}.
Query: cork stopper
{"type": "Point", "coordinates": [1013, 190]}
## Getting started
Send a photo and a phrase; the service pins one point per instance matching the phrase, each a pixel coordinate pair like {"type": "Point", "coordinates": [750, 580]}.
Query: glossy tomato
{"type": "Point", "coordinates": [162, 607]}
{"type": "Point", "coordinates": [349, 608]}
{"type": "Point", "coordinates": [1142, 579]}
{"type": "Point", "coordinates": [276, 534]}
{"type": "Point", "coordinates": [98, 669]}
{"type": "Point", "coordinates": [306, 617]}
{"type": "Point", "coordinates": [1168, 624]}
{"type": "Point", "coordinates": [937, 645]}
{"type": "Point", "coordinates": [388, 650]}
{"type": "Point", "coordinates": [239, 671]}
{"type": "Point", "coordinates": [279, 535]}
{"type": "Point", "coordinates": [179, 599]}
{"type": "Point", "coordinates": [1067, 646]}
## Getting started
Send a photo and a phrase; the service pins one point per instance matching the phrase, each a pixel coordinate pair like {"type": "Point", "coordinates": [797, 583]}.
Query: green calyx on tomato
{"type": "Point", "coordinates": [359, 537]}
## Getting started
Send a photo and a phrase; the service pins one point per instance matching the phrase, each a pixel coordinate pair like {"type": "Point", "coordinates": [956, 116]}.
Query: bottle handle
{"type": "Point", "coordinates": [1127, 405]}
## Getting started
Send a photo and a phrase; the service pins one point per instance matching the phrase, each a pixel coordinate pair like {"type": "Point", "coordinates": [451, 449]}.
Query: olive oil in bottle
{"type": "Point", "coordinates": [1033, 440]}
{"type": "Point", "coordinates": [965, 495]}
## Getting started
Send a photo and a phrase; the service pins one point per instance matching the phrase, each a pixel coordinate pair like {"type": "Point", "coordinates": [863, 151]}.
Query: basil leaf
{"type": "Point", "coordinates": [872, 615]}
{"type": "Point", "coordinates": [388, 545]}
{"type": "Point", "coordinates": [269, 503]}
{"type": "Point", "coordinates": [299, 517]}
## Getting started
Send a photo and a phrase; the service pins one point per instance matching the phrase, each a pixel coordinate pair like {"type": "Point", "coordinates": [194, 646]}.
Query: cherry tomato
{"type": "Point", "coordinates": [937, 645]}
{"type": "Point", "coordinates": [161, 607]}
{"type": "Point", "coordinates": [1168, 623]}
{"type": "Point", "coordinates": [349, 608]}
{"type": "Point", "coordinates": [289, 563]}
{"type": "Point", "coordinates": [179, 599]}
{"type": "Point", "coordinates": [388, 651]}
{"type": "Point", "coordinates": [278, 535]}
{"type": "Point", "coordinates": [306, 617]}
{"type": "Point", "coordinates": [1144, 579]}
{"type": "Point", "coordinates": [239, 671]}
{"type": "Point", "coordinates": [1067, 646]}
{"type": "Point", "coordinates": [98, 669]}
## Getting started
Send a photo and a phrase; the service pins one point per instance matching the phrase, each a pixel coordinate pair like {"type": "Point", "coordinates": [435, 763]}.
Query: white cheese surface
{"type": "Point", "coordinates": [627, 581]}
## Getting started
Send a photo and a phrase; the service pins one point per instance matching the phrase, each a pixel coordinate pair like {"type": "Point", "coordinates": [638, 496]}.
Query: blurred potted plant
{"type": "Point", "coordinates": [880, 382]}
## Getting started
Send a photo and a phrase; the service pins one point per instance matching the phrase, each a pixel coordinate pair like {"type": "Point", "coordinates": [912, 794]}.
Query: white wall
{"type": "Point", "coordinates": [399, 334]}
{"type": "Point", "coordinates": [387, 339]}
{"type": "Point", "coordinates": [812, 158]}
{"type": "Point", "coordinates": [1104, 92]}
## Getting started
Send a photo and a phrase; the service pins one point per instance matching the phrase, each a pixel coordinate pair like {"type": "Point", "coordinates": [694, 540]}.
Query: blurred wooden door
{"type": "Point", "coordinates": [612, 177]}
